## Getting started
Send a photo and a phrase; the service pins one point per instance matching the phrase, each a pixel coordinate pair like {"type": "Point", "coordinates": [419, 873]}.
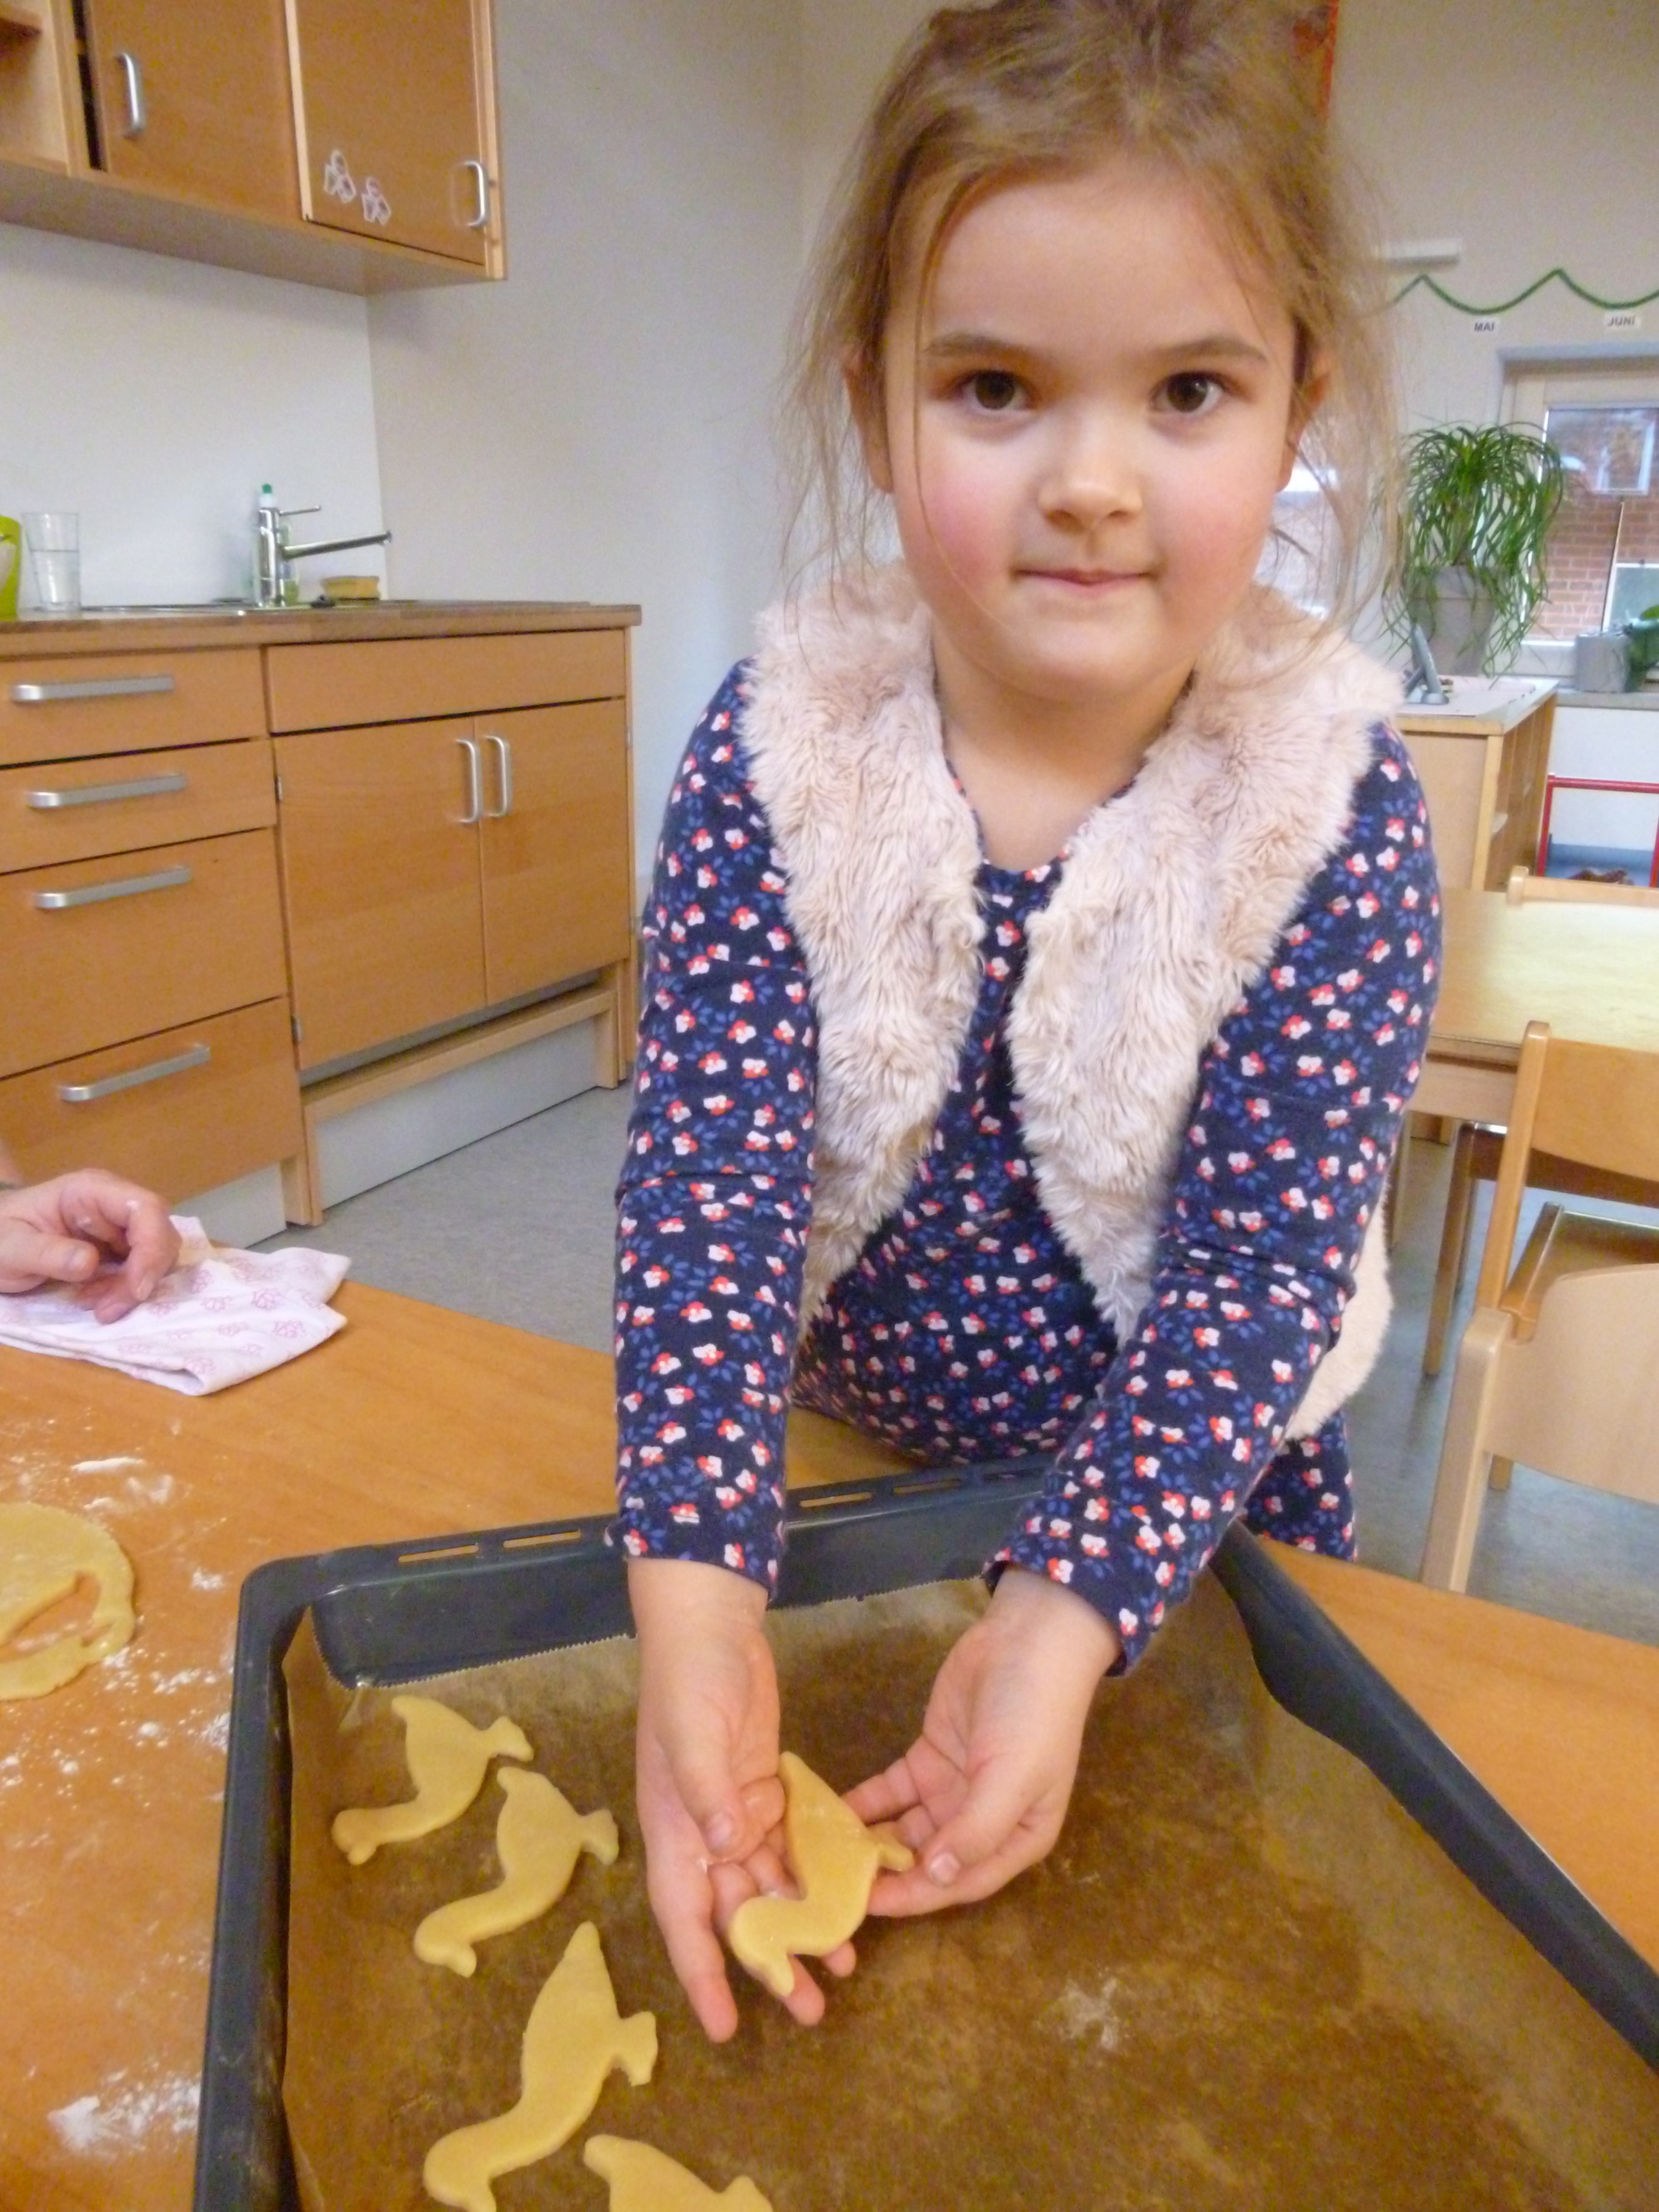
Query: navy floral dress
{"type": "Point", "coordinates": [966, 1330]}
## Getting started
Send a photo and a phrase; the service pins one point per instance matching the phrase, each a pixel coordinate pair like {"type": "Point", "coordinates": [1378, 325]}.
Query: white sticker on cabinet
{"type": "Point", "coordinates": [337, 178]}
{"type": "Point", "coordinates": [377, 208]}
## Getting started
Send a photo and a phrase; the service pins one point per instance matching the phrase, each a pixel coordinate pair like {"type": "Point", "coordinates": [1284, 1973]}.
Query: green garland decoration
{"type": "Point", "coordinates": [1550, 277]}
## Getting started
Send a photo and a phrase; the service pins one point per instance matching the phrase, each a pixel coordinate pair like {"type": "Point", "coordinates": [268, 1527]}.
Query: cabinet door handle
{"type": "Point", "coordinates": [82, 1094]}
{"type": "Point", "coordinates": [100, 687]}
{"type": "Point", "coordinates": [474, 782]}
{"type": "Point", "coordinates": [133, 77]}
{"type": "Point", "coordinates": [164, 879]}
{"type": "Point", "coordinates": [94, 795]}
{"type": "Point", "coordinates": [503, 776]}
{"type": "Point", "coordinates": [481, 178]}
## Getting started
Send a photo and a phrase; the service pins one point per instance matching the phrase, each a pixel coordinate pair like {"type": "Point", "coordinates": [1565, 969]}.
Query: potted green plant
{"type": "Point", "coordinates": [1477, 503]}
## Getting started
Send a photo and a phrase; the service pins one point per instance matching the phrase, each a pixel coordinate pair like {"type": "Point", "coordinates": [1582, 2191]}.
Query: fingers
{"type": "Point", "coordinates": [30, 1256]}
{"type": "Point", "coordinates": [694, 1951]}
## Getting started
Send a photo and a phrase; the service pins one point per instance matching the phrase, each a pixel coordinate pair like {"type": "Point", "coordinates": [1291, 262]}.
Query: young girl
{"type": "Point", "coordinates": [1043, 938]}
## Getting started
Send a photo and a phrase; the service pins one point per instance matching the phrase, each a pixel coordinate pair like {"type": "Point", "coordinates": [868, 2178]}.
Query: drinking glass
{"type": "Point", "coordinates": [53, 538]}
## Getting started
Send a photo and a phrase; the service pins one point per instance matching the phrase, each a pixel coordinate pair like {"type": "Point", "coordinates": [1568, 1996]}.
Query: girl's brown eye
{"type": "Point", "coordinates": [993, 390]}
{"type": "Point", "coordinates": [1192, 393]}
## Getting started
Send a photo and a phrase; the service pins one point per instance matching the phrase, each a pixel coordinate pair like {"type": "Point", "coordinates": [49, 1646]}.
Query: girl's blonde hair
{"type": "Point", "coordinates": [1212, 92]}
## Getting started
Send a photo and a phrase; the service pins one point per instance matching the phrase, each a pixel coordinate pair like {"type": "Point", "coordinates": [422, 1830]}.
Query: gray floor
{"type": "Point", "coordinates": [517, 1229]}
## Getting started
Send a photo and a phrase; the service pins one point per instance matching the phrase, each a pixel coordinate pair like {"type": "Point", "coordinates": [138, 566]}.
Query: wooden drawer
{"type": "Point", "coordinates": [234, 1108]}
{"type": "Point", "coordinates": [121, 702]}
{"type": "Point", "coordinates": [142, 960]}
{"type": "Point", "coordinates": [326, 687]}
{"type": "Point", "coordinates": [73, 810]}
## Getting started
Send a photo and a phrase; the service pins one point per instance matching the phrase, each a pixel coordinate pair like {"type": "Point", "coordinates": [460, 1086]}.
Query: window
{"type": "Point", "coordinates": [1602, 557]}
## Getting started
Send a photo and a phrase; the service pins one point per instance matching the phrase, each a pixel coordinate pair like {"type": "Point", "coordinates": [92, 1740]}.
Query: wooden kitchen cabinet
{"type": "Point", "coordinates": [147, 1024]}
{"type": "Point", "coordinates": [433, 869]}
{"type": "Point", "coordinates": [554, 849]}
{"type": "Point", "coordinates": [351, 145]}
{"type": "Point", "coordinates": [381, 847]}
{"type": "Point", "coordinates": [380, 884]}
{"type": "Point", "coordinates": [195, 99]}
{"type": "Point", "coordinates": [394, 120]}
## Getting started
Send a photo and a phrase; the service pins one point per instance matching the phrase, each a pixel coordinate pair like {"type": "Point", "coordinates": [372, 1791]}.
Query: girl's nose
{"type": "Point", "coordinates": [1091, 476]}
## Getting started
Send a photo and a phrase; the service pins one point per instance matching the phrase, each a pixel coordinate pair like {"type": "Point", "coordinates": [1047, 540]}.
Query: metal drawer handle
{"type": "Point", "coordinates": [164, 879]}
{"type": "Point", "coordinates": [100, 687]}
{"type": "Point", "coordinates": [481, 178]}
{"type": "Point", "coordinates": [137, 114]}
{"type": "Point", "coordinates": [504, 777]}
{"type": "Point", "coordinates": [474, 782]}
{"type": "Point", "coordinates": [92, 794]}
{"type": "Point", "coordinates": [82, 1094]}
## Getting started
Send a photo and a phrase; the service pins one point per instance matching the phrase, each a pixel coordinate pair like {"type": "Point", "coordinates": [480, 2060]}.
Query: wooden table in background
{"type": "Point", "coordinates": [412, 1423]}
{"type": "Point", "coordinates": [1591, 972]}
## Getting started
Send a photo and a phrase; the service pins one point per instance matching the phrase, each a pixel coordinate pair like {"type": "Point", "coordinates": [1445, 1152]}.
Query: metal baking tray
{"type": "Point", "coordinates": [385, 1614]}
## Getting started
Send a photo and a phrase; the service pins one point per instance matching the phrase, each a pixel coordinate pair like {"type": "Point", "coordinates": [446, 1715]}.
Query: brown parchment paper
{"type": "Point", "coordinates": [1243, 1978]}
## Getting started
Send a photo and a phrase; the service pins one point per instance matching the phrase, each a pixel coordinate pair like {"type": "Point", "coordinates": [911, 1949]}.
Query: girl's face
{"type": "Point", "coordinates": [1085, 422]}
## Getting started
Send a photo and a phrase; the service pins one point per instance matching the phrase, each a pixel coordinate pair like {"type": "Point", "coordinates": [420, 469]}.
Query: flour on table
{"type": "Point", "coordinates": [124, 2112]}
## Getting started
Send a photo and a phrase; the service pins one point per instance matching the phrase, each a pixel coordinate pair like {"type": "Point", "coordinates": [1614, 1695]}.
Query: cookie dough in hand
{"type": "Point", "coordinates": [44, 1553]}
{"type": "Point", "coordinates": [646, 2180]}
{"type": "Point", "coordinates": [447, 1759]}
{"type": "Point", "coordinates": [538, 1838]}
{"type": "Point", "coordinates": [574, 2039]}
{"type": "Point", "coordinates": [835, 1859]}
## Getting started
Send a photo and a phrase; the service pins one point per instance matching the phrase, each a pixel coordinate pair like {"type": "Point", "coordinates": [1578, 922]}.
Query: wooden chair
{"type": "Point", "coordinates": [1476, 1146]}
{"type": "Point", "coordinates": [1559, 1366]}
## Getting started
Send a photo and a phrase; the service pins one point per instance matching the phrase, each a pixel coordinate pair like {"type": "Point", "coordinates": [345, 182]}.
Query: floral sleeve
{"type": "Point", "coordinates": [715, 1196]}
{"type": "Point", "coordinates": [1296, 1110]}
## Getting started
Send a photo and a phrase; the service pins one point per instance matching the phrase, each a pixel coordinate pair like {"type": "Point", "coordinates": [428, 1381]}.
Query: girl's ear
{"type": "Point", "coordinates": [867, 400]}
{"type": "Point", "coordinates": [1305, 403]}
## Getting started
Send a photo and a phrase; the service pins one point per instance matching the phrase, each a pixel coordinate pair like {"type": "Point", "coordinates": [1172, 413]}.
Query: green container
{"type": "Point", "coordinates": [11, 561]}
{"type": "Point", "coordinates": [1643, 636]}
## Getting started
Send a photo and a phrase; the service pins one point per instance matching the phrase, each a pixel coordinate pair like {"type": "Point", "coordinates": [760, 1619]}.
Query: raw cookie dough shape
{"type": "Point", "coordinates": [447, 1762]}
{"type": "Point", "coordinates": [538, 1838]}
{"type": "Point", "coordinates": [574, 2038]}
{"type": "Point", "coordinates": [834, 1858]}
{"type": "Point", "coordinates": [646, 2180]}
{"type": "Point", "coordinates": [44, 1553]}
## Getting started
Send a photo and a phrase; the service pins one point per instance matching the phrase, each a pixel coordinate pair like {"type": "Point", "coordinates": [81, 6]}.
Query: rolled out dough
{"type": "Point", "coordinates": [646, 2180]}
{"type": "Point", "coordinates": [447, 1759]}
{"type": "Point", "coordinates": [44, 1553]}
{"type": "Point", "coordinates": [574, 2038]}
{"type": "Point", "coordinates": [538, 1838]}
{"type": "Point", "coordinates": [834, 1858]}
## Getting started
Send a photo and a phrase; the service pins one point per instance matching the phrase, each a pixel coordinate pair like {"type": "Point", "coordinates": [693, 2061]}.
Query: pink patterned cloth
{"type": "Point", "coordinates": [220, 1317]}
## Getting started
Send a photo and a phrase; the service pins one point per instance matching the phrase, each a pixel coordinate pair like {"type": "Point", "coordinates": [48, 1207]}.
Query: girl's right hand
{"type": "Point", "coordinates": [710, 1802]}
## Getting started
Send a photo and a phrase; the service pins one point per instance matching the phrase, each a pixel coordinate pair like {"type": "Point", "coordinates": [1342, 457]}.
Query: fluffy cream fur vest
{"type": "Point", "coordinates": [1171, 901]}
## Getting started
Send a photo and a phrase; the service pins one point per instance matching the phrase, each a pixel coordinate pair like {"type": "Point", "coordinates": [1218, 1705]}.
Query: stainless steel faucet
{"type": "Point", "coordinates": [273, 554]}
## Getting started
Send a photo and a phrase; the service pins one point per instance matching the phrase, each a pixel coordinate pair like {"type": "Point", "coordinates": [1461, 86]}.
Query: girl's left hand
{"type": "Point", "coordinates": [982, 1792]}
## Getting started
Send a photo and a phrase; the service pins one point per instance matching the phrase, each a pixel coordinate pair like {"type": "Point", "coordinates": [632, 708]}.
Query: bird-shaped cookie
{"type": "Point", "coordinates": [447, 1759]}
{"type": "Point", "coordinates": [574, 2038]}
{"type": "Point", "coordinates": [538, 1838]}
{"type": "Point", "coordinates": [646, 2180]}
{"type": "Point", "coordinates": [834, 1858]}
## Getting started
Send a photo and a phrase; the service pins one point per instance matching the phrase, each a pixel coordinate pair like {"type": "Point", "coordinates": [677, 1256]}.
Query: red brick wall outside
{"type": "Point", "coordinates": [1580, 555]}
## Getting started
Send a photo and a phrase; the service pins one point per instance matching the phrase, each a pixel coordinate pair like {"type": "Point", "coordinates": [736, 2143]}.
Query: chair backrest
{"type": "Point", "coordinates": [1568, 890]}
{"type": "Point", "coordinates": [1598, 1105]}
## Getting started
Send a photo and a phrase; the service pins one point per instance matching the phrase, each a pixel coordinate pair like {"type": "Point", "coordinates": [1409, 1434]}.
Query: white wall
{"type": "Point", "coordinates": [845, 48]}
{"type": "Point", "coordinates": [598, 427]}
{"type": "Point", "coordinates": [154, 395]}
{"type": "Point", "coordinates": [1528, 132]}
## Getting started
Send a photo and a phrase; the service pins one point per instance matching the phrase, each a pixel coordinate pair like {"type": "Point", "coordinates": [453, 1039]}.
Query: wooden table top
{"type": "Point", "coordinates": [1591, 972]}
{"type": "Point", "coordinates": [416, 1422]}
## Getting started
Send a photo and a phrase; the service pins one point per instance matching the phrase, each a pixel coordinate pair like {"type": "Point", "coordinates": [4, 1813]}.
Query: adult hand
{"type": "Point", "coordinates": [110, 1238]}
{"type": "Point", "coordinates": [710, 1802]}
{"type": "Point", "coordinates": [982, 1792]}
